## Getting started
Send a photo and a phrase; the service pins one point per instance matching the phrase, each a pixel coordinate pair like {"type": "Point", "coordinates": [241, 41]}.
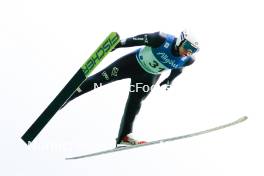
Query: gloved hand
{"type": "Point", "coordinates": [166, 81]}
{"type": "Point", "coordinates": [117, 46]}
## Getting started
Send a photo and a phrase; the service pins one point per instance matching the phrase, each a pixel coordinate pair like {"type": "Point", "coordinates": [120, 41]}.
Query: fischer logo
{"type": "Point", "coordinates": [165, 59]}
{"type": "Point", "coordinates": [99, 54]}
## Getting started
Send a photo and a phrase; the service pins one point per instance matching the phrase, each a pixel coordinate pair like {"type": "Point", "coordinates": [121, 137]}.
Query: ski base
{"type": "Point", "coordinates": [162, 140]}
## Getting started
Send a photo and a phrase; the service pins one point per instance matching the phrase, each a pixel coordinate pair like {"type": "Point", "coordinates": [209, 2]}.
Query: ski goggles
{"type": "Point", "coordinates": [189, 46]}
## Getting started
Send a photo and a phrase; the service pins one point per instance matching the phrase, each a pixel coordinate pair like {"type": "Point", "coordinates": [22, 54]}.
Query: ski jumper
{"type": "Point", "coordinates": [143, 67]}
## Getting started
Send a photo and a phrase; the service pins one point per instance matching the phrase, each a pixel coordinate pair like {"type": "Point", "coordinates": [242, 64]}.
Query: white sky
{"type": "Point", "coordinates": [43, 43]}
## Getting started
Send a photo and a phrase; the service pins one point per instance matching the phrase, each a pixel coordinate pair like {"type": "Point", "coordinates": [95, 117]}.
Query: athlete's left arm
{"type": "Point", "coordinates": [173, 74]}
{"type": "Point", "coordinates": [176, 72]}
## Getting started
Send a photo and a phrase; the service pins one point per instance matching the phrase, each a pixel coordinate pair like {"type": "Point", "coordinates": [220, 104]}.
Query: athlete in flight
{"type": "Point", "coordinates": [143, 66]}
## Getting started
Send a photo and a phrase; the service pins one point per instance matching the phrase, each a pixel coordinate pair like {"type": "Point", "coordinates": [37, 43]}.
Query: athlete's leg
{"type": "Point", "coordinates": [140, 88]}
{"type": "Point", "coordinates": [118, 70]}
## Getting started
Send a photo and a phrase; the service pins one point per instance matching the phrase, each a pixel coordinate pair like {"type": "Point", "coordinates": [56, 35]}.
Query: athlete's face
{"type": "Point", "coordinates": [183, 52]}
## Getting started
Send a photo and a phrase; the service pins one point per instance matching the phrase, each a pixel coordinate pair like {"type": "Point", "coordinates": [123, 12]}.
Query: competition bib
{"type": "Point", "coordinates": [149, 62]}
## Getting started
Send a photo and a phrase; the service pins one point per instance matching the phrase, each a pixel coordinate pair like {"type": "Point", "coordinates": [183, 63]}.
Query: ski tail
{"type": "Point", "coordinates": [106, 46]}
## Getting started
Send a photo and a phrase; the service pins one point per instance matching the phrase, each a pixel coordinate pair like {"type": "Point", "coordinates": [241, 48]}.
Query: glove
{"type": "Point", "coordinates": [166, 81]}
{"type": "Point", "coordinates": [117, 46]}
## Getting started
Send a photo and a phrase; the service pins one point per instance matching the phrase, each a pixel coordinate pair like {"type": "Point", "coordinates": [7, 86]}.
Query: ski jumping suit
{"type": "Point", "coordinates": [143, 67]}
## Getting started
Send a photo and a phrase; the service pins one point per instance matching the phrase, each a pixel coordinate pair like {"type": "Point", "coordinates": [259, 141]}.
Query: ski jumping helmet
{"type": "Point", "coordinates": [188, 42]}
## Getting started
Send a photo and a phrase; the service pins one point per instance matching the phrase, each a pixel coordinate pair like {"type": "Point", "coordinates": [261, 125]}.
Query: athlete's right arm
{"type": "Point", "coordinates": [149, 39]}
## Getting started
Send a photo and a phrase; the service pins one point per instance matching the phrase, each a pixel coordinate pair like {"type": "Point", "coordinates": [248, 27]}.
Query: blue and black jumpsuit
{"type": "Point", "coordinates": [143, 66]}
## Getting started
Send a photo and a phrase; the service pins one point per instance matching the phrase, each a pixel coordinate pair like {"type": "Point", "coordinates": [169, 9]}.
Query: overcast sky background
{"type": "Point", "coordinates": [43, 43]}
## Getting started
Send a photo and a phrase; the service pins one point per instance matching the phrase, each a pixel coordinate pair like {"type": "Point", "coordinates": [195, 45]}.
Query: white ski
{"type": "Point", "coordinates": [161, 140]}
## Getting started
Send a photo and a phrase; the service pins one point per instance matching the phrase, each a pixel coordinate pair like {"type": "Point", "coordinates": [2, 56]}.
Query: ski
{"type": "Point", "coordinates": [97, 56]}
{"type": "Point", "coordinates": [161, 140]}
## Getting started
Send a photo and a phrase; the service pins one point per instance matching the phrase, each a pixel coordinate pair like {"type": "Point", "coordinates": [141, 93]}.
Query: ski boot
{"type": "Point", "coordinates": [128, 140]}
